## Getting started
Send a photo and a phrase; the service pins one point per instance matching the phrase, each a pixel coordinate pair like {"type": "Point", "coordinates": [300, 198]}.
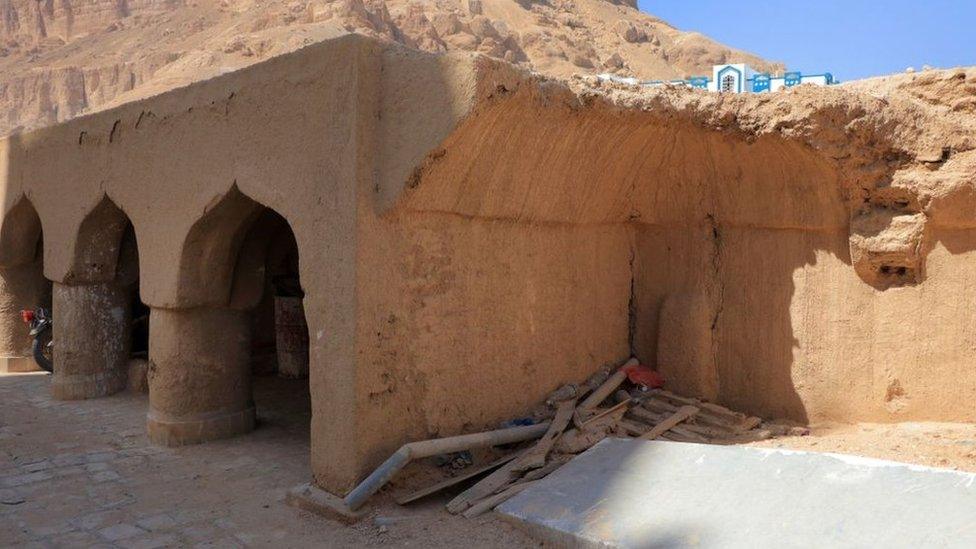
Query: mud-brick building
{"type": "Point", "coordinates": [468, 237]}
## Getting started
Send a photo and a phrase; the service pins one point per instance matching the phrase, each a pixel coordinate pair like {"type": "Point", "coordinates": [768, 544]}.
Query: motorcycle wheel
{"type": "Point", "coordinates": [43, 351]}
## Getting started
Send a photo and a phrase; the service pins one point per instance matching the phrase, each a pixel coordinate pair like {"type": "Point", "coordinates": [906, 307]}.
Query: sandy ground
{"type": "Point", "coordinates": [82, 474]}
{"type": "Point", "coordinates": [945, 445]}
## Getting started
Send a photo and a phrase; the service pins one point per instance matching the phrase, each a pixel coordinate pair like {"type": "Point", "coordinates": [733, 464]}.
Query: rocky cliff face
{"type": "Point", "coordinates": [60, 58]}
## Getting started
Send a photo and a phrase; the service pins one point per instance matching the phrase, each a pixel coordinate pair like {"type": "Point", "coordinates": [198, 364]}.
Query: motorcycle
{"type": "Point", "coordinates": [40, 323]}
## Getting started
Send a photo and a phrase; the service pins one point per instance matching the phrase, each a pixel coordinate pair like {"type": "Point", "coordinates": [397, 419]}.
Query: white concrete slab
{"type": "Point", "coordinates": [633, 493]}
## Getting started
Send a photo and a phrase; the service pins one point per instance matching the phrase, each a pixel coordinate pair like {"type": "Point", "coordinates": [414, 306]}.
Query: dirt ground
{"type": "Point", "coordinates": [82, 474]}
{"type": "Point", "coordinates": [945, 445]}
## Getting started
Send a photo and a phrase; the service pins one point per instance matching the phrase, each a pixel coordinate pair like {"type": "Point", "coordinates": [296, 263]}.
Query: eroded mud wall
{"type": "Point", "coordinates": [725, 227]}
{"type": "Point", "coordinates": [740, 251]}
{"type": "Point", "coordinates": [746, 293]}
{"type": "Point", "coordinates": [465, 323]}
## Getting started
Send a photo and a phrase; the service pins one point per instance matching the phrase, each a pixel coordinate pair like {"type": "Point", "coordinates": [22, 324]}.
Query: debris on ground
{"type": "Point", "coordinates": [626, 402]}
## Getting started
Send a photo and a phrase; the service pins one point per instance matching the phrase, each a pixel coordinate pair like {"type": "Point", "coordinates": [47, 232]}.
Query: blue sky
{"type": "Point", "coordinates": [849, 38]}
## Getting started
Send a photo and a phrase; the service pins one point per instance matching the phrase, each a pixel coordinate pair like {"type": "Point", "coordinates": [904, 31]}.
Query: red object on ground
{"type": "Point", "coordinates": [642, 375]}
{"type": "Point", "coordinates": [27, 316]}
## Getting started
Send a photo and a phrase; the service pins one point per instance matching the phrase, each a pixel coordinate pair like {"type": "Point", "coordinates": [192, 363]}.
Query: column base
{"type": "Point", "coordinates": [167, 431]}
{"type": "Point", "coordinates": [18, 365]}
{"type": "Point", "coordinates": [84, 386]}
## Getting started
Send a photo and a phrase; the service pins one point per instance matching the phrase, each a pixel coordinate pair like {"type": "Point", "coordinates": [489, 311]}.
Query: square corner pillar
{"type": "Point", "coordinates": [199, 375]}
{"type": "Point", "coordinates": [21, 287]}
{"type": "Point", "coordinates": [343, 448]}
{"type": "Point", "coordinates": [91, 340]}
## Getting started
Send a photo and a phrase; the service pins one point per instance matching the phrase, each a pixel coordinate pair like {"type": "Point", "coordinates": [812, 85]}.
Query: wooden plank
{"type": "Point", "coordinates": [633, 429]}
{"type": "Point", "coordinates": [682, 414]}
{"type": "Point", "coordinates": [536, 456]}
{"type": "Point", "coordinates": [691, 436]}
{"type": "Point", "coordinates": [650, 418]}
{"type": "Point", "coordinates": [544, 471]}
{"type": "Point", "coordinates": [674, 435]}
{"type": "Point", "coordinates": [584, 419]}
{"type": "Point", "coordinates": [579, 439]}
{"type": "Point", "coordinates": [447, 483]}
{"type": "Point", "coordinates": [718, 428]}
{"type": "Point", "coordinates": [657, 405]}
{"type": "Point", "coordinates": [704, 406]}
{"type": "Point", "coordinates": [737, 421]}
{"type": "Point", "coordinates": [492, 501]}
{"type": "Point", "coordinates": [488, 485]}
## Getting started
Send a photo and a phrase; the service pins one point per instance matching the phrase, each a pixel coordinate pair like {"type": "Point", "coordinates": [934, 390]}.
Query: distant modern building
{"type": "Point", "coordinates": [738, 78]}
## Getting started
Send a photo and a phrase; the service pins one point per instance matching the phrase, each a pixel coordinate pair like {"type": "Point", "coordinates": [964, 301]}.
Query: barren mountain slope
{"type": "Point", "coordinates": [59, 58]}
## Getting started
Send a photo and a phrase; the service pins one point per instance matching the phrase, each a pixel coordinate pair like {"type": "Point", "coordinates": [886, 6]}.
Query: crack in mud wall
{"type": "Point", "coordinates": [753, 272]}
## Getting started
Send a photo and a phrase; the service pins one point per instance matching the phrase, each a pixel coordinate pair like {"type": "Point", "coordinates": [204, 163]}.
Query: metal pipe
{"type": "Point", "coordinates": [427, 448]}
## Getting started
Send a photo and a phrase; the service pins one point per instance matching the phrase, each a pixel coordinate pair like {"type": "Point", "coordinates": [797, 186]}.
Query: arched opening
{"type": "Point", "coordinates": [232, 346]}
{"type": "Point", "coordinates": [100, 322]}
{"type": "Point", "coordinates": [267, 282]}
{"type": "Point", "coordinates": [127, 274]}
{"type": "Point", "coordinates": [22, 283]}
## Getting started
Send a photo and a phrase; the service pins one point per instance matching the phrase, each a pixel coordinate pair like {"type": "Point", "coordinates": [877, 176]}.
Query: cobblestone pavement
{"type": "Point", "coordinates": [83, 474]}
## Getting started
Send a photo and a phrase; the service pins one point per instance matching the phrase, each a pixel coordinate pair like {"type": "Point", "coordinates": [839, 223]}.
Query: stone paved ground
{"type": "Point", "coordinates": [83, 474]}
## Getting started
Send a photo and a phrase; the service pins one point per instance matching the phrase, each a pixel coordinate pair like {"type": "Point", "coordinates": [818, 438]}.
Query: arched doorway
{"type": "Point", "coordinates": [22, 283]}
{"type": "Point", "coordinates": [269, 261]}
{"type": "Point", "coordinates": [237, 318]}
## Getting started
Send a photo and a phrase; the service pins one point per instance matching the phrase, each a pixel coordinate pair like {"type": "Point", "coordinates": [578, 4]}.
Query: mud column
{"type": "Point", "coordinates": [91, 340]}
{"type": "Point", "coordinates": [199, 375]}
{"type": "Point", "coordinates": [21, 287]}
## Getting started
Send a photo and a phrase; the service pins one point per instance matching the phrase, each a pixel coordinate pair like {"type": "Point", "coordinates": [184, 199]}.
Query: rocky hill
{"type": "Point", "coordinates": [61, 58]}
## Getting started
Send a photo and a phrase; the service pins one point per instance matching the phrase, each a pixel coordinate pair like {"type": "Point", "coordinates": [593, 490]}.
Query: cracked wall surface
{"type": "Point", "coordinates": [784, 245]}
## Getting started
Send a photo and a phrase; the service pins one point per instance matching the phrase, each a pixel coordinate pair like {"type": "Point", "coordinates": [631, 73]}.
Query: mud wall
{"type": "Point", "coordinates": [187, 168]}
{"type": "Point", "coordinates": [740, 251]}
{"type": "Point", "coordinates": [465, 323]}
{"type": "Point", "coordinates": [797, 334]}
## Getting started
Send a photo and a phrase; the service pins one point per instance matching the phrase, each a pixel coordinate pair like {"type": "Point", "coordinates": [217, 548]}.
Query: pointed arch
{"type": "Point", "coordinates": [268, 239]}
{"type": "Point", "coordinates": [98, 244]}
{"type": "Point", "coordinates": [20, 234]}
{"type": "Point", "coordinates": [224, 328]}
{"type": "Point", "coordinates": [208, 257]}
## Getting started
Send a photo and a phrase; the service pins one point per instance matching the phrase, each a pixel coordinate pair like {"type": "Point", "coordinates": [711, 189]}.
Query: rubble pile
{"type": "Point", "coordinates": [626, 402]}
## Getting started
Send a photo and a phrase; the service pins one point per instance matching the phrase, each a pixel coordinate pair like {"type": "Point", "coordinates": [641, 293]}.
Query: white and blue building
{"type": "Point", "coordinates": [740, 78]}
